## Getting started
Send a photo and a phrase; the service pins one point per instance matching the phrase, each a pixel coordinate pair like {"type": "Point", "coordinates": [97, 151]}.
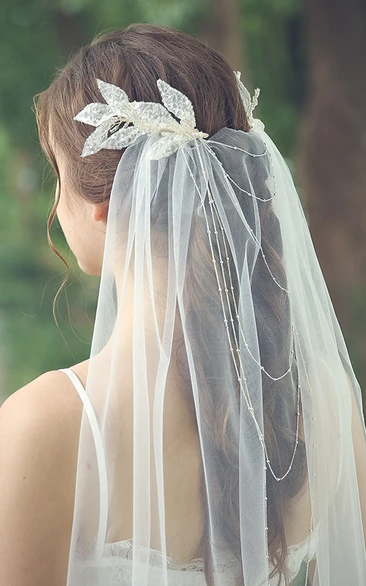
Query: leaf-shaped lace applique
{"type": "Point", "coordinates": [93, 143]}
{"type": "Point", "coordinates": [244, 94]}
{"type": "Point", "coordinates": [155, 117]}
{"type": "Point", "coordinates": [122, 138]}
{"type": "Point", "coordinates": [113, 95]}
{"type": "Point", "coordinates": [177, 103]}
{"type": "Point", "coordinates": [166, 146]}
{"type": "Point", "coordinates": [146, 117]}
{"type": "Point", "coordinates": [249, 102]}
{"type": "Point", "coordinates": [95, 114]}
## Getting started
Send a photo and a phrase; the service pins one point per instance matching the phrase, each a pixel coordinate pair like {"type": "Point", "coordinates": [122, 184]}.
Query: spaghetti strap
{"type": "Point", "coordinates": [76, 382]}
{"type": "Point", "coordinates": [99, 450]}
{"type": "Point", "coordinates": [89, 409]}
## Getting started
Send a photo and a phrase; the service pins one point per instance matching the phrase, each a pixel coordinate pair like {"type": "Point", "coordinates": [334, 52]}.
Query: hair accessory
{"type": "Point", "coordinates": [249, 103]}
{"type": "Point", "coordinates": [139, 118]}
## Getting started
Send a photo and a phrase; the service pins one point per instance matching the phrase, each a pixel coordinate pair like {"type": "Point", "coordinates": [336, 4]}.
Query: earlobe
{"type": "Point", "coordinates": [100, 212]}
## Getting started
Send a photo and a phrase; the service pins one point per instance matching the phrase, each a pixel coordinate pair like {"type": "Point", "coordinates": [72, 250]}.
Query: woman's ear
{"type": "Point", "coordinates": [100, 211]}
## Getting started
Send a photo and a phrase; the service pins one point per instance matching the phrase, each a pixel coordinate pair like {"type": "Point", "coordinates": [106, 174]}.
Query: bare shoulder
{"type": "Point", "coordinates": [41, 397]}
{"type": "Point", "coordinates": [46, 409]}
{"type": "Point", "coordinates": [39, 434]}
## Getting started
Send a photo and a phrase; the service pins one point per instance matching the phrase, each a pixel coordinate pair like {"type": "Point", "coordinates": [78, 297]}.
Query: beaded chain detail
{"type": "Point", "coordinates": [235, 351]}
{"type": "Point", "coordinates": [249, 402]}
{"type": "Point", "coordinates": [239, 371]}
{"type": "Point", "coordinates": [227, 176]}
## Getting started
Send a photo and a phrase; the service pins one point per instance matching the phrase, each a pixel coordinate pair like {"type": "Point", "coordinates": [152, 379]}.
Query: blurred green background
{"type": "Point", "coordinates": [306, 58]}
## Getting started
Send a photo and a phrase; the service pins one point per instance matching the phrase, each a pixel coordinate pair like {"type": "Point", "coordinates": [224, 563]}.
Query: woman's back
{"type": "Point", "coordinates": [183, 470]}
{"type": "Point", "coordinates": [55, 394]}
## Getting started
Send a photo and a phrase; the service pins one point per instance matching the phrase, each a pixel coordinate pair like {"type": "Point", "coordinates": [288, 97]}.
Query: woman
{"type": "Point", "coordinates": [215, 435]}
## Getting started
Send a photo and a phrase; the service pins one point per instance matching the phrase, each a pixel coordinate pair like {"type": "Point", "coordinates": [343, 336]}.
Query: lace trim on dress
{"type": "Point", "coordinates": [125, 550]}
{"type": "Point", "coordinates": [296, 555]}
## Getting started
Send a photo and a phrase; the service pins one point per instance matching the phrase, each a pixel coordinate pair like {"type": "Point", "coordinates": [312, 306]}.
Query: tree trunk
{"type": "Point", "coordinates": [69, 29]}
{"type": "Point", "coordinates": [333, 158]}
{"type": "Point", "coordinates": [222, 30]}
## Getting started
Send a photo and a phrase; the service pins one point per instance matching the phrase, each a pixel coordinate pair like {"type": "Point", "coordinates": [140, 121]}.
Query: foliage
{"type": "Point", "coordinates": [276, 57]}
{"type": "Point", "coordinates": [36, 37]}
{"type": "Point", "coordinates": [31, 343]}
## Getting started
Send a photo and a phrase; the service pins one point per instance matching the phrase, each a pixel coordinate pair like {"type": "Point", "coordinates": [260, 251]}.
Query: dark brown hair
{"type": "Point", "coordinates": [133, 59]}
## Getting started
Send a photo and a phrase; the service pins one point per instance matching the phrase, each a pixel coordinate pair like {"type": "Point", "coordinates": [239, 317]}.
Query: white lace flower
{"type": "Point", "coordinates": [140, 118]}
{"type": "Point", "coordinates": [249, 103]}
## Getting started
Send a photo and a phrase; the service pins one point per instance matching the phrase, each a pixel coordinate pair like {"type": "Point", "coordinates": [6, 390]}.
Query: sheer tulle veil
{"type": "Point", "coordinates": [210, 278]}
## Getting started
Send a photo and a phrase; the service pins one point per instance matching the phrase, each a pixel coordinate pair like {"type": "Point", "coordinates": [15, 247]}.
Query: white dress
{"type": "Point", "coordinates": [116, 565]}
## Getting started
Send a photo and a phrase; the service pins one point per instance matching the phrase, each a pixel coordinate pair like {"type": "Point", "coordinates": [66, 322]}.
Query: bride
{"type": "Point", "coordinates": [215, 436]}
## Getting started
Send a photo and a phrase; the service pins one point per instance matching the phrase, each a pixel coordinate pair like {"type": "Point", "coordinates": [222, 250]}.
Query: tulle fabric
{"type": "Point", "coordinates": [229, 199]}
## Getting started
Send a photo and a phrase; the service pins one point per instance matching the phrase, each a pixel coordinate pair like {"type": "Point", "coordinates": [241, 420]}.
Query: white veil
{"type": "Point", "coordinates": [223, 425]}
